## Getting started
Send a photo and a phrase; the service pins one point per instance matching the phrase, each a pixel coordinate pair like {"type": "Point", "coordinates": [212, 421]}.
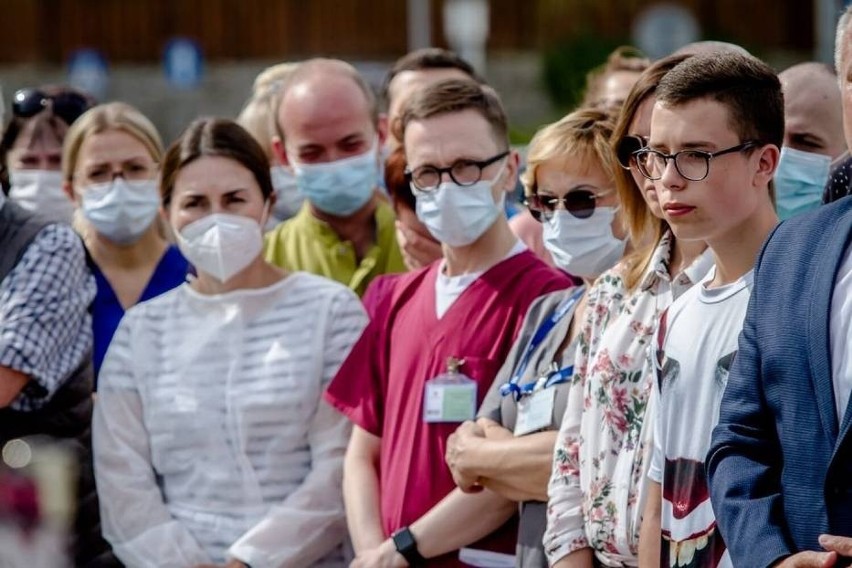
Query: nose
{"type": "Point", "coordinates": [671, 178]}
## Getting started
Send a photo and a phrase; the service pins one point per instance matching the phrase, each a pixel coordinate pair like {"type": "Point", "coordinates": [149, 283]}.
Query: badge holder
{"type": "Point", "coordinates": [450, 397]}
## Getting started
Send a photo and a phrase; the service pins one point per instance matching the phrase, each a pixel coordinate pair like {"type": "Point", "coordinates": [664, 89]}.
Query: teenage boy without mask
{"type": "Point", "coordinates": [716, 130]}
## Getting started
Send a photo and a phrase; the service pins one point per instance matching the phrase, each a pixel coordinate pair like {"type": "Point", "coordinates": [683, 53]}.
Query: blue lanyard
{"type": "Point", "coordinates": [554, 378]}
{"type": "Point", "coordinates": [563, 309]}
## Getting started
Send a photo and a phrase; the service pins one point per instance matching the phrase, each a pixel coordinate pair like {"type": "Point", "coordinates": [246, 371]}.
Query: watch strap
{"type": "Point", "coordinates": [405, 544]}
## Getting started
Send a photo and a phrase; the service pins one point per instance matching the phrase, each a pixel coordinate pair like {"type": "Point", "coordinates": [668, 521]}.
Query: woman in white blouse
{"type": "Point", "coordinates": [597, 488]}
{"type": "Point", "coordinates": [212, 444]}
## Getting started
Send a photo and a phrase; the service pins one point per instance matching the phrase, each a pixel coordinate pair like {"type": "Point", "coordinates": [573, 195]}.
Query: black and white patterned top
{"type": "Point", "coordinates": [839, 182]}
{"type": "Point", "coordinates": [45, 325]}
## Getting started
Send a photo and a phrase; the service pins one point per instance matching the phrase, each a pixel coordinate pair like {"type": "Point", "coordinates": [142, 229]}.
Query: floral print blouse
{"type": "Point", "coordinates": [597, 486]}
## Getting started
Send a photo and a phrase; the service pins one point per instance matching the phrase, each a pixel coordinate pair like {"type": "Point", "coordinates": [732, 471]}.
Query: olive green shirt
{"type": "Point", "coordinates": [308, 244]}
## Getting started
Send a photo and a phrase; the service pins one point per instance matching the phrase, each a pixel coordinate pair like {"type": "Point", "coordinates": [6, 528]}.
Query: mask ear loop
{"type": "Point", "coordinates": [267, 211]}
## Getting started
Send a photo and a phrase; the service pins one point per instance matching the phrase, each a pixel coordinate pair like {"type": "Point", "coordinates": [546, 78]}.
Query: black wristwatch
{"type": "Point", "coordinates": [405, 544]}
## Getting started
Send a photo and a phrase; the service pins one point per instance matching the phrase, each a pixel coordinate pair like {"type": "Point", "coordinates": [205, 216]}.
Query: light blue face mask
{"type": "Point", "coordinates": [341, 187]}
{"type": "Point", "coordinates": [799, 181]}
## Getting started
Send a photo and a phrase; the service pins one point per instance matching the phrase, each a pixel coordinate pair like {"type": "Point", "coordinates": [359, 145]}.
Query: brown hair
{"type": "Point", "coordinates": [625, 58]}
{"type": "Point", "coordinates": [214, 137]}
{"type": "Point", "coordinates": [583, 134]}
{"type": "Point", "coordinates": [396, 182]}
{"type": "Point", "coordinates": [745, 85]}
{"type": "Point", "coordinates": [428, 58]}
{"type": "Point", "coordinates": [456, 95]}
{"type": "Point", "coordinates": [646, 230]}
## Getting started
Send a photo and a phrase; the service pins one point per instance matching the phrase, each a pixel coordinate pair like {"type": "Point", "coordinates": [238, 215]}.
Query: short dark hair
{"type": "Point", "coordinates": [425, 59]}
{"type": "Point", "coordinates": [745, 85]}
{"type": "Point", "coordinates": [456, 95]}
{"type": "Point", "coordinates": [214, 137]}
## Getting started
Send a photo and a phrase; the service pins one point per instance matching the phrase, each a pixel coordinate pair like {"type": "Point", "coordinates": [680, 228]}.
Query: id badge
{"type": "Point", "coordinates": [446, 401]}
{"type": "Point", "coordinates": [535, 411]}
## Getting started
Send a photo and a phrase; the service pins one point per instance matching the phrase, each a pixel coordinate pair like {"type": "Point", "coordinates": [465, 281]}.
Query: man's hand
{"type": "Point", "coordinates": [842, 545]}
{"type": "Point", "coordinates": [809, 559]}
{"type": "Point", "coordinates": [458, 456]}
{"type": "Point", "coordinates": [385, 556]}
{"type": "Point", "coordinates": [418, 250]}
{"type": "Point", "coordinates": [236, 564]}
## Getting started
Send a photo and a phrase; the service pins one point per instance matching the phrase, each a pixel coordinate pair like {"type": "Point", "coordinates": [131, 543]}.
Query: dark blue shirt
{"type": "Point", "coordinates": [107, 311]}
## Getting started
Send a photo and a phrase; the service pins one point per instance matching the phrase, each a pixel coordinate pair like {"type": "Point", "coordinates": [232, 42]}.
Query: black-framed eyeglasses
{"type": "Point", "coordinates": [462, 172]}
{"type": "Point", "coordinates": [580, 203]}
{"type": "Point", "coordinates": [626, 149]}
{"type": "Point", "coordinates": [693, 165]}
{"type": "Point", "coordinates": [67, 105]}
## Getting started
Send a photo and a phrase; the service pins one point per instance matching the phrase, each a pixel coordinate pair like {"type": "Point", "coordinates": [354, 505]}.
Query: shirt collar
{"type": "Point", "coordinates": [658, 267]}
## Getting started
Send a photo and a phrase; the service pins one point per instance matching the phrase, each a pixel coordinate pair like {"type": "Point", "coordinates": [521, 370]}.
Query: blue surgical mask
{"type": "Point", "coordinates": [457, 216]}
{"type": "Point", "coordinates": [799, 181]}
{"type": "Point", "coordinates": [341, 187]}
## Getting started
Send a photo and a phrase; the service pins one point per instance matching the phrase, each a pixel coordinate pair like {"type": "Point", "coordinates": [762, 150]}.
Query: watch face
{"type": "Point", "coordinates": [404, 540]}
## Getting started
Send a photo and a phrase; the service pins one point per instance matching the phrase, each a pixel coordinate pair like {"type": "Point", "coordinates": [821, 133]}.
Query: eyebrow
{"type": "Point", "coordinates": [691, 145]}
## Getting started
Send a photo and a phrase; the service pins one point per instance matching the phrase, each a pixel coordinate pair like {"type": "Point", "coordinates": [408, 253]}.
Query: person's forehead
{"type": "Point", "coordinates": [699, 120]}
{"type": "Point", "coordinates": [811, 101]}
{"type": "Point", "coordinates": [213, 175]}
{"type": "Point", "coordinates": [112, 144]}
{"type": "Point", "coordinates": [448, 136]}
{"type": "Point", "coordinates": [321, 102]}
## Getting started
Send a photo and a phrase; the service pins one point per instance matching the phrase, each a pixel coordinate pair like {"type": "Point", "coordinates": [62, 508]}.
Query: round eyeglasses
{"type": "Point", "coordinates": [693, 165]}
{"type": "Point", "coordinates": [462, 172]}
{"type": "Point", "coordinates": [580, 203]}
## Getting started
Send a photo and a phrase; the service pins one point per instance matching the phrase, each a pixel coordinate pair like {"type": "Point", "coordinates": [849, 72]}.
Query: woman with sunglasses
{"type": "Point", "coordinates": [31, 149]}
{"type": "Point", "coordinates": [509, 449]}
{"type": "Point", "coordinates": [110, 166]}
{"type": "Point", "coordinates": [597, 488]}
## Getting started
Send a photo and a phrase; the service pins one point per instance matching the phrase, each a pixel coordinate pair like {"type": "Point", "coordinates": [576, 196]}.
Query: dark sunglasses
{"type": "Point", "coordinates": [67, 105]}
{"type": "Point", "coordinates": [580, 203]}
{"type": "Point", "coordinates": [626, 149]}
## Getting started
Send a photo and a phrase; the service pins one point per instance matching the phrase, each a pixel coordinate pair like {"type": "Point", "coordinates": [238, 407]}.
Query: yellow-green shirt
{"type": "Point", "coordinates": [309, 244]}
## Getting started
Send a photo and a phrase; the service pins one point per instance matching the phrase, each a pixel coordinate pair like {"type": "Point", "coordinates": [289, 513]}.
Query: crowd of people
{"type": "Point", "coordinates": [323, 334]}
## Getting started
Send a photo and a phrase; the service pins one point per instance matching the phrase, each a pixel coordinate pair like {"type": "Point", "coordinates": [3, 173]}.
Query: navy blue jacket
{"type": "Point", "coordinates": [780, 463]}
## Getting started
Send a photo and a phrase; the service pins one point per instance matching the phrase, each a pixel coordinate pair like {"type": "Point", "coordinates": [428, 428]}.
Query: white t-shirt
{"type": "Point", "coordinates": [840, 330]}
{"type": "Point", "coordinates": [449, 288]}
{"type": "Point", "coordinates": [699, 345]}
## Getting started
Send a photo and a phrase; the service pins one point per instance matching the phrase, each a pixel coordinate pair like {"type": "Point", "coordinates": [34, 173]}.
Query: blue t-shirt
{"type": "Point", "coordinates": [107, 311]}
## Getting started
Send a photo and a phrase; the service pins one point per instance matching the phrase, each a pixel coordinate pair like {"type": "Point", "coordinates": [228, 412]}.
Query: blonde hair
{"type": "Point", "coordinates": [258, 116]}
{"type": "Point", "coordinates": [109, 116]}
{"type": "Point", "coordinates": [584, 133]}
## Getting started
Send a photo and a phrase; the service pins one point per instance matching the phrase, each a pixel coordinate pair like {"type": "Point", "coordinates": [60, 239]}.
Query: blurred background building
{"type": "Point", "coordinates": [536, 52]}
